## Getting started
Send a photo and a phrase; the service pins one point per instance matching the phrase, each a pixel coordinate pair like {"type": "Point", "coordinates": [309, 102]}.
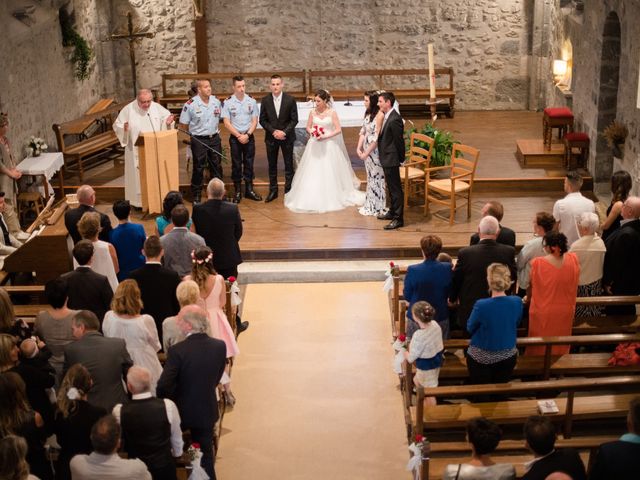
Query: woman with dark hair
{"type": "Point", "coordinates": [213, 295]}
{"type": "Point", "coordinates": [484, 437]}
{"type": "Point", "coordinates": [53, 325]}
{"type": "Point", "coordinates": [542, 223]}
{"type": "Point", "coordinates": [163, 222]}
{"type": "Point", "coordinates": [324, 180]}
{"type": "Point", "coordinates": [74, 418]}
{"type": "Point", "coordinates": [18, 418]}
{"type": "Point", "coordinates": [552, 292]}
{"type": "Point", "coordinates": [375, 198]}
{"type": "Point", "coordinates": [620, 188]}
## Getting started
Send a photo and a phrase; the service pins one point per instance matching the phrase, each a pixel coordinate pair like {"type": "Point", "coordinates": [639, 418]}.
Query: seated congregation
{"type": "Point", "coordinates": [505, 335]}
{"type": "Point", "coordinates": [131, 359]}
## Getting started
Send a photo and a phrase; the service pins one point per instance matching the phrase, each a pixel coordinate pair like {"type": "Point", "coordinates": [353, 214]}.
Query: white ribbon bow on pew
{"type": "Point", "coordinates": [197, 472]}
{"type": "Point", "coordinates": [398, 360]}
{"type": "Point", "coordinates": [235, 294]}
{"type": "Point", "coordinates": [415, 461]}
{"type": "Point", "coordinates": [388, 283]}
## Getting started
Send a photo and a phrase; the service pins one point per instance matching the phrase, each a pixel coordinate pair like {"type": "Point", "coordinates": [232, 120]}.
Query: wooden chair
{"type": "Point", "coordinates": [413, 170]}
{"type": "Point", "coordinates": [459, 184]}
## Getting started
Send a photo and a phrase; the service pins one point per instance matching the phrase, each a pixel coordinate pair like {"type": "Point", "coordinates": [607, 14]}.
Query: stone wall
{"type": "Point", "coordinates": [37, 84]}
{"type": "Point", "coordinates": [590, 104]}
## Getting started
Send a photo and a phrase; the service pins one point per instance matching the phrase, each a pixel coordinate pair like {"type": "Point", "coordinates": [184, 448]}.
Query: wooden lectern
{"type": "Point", "coordinates": [158, 164]}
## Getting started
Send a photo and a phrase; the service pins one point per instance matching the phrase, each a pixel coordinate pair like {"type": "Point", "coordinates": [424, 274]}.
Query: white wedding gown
{"type": "Point", "coordinates": [324, 180]}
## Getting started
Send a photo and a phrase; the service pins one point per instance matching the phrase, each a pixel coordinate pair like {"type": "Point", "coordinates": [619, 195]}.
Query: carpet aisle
{"type": "Point", "coordinates": [316, 395]}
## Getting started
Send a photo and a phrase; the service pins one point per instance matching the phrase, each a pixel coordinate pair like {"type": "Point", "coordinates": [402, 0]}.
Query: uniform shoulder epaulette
{"type": "Point", "coordinates": [250, 96]}
{"type": "Point", "coordinates": [190, 101]}
{"type": "Point", "coordinates": [228, 98]}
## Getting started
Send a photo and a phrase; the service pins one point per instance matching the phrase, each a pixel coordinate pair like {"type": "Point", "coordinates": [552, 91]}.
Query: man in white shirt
{"type": "Point", "coordinates": [150, 426]}
{"type": "Point", "coordinates": [104, 463]}
{"type": "Point", "coordinates": [567, 210]}
{"type": "Point", "coordinates": [140, 116]}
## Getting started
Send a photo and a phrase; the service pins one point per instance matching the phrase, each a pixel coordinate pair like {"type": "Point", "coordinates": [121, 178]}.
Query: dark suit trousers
{"type": "Point", "coordinates": [202, 157]}
{"type": "Point", "coordinates": [242, 155]}
{"type": "Point", "coordinates": [272, 156]}
{"type": "Point", "coordinates": [228, 272]}
{"type": "Point", "coordinates": [394, 185]}
{"type": "Point", "coordinates": [204, 436]}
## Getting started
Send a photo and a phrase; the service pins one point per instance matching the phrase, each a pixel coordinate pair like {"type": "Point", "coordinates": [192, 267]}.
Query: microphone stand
{"type": "Point", "coordinates": [208, 147]}
{"type": "Point", "coordinates": [155, 136]}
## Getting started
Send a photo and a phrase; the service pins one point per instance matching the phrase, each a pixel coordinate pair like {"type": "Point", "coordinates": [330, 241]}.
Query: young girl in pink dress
{"type": "Point", "coordinates": [214, 297]}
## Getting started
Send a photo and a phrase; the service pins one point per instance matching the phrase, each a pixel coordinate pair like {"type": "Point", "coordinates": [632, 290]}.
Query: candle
{"type": "Point", "coordinates": [432, 74]}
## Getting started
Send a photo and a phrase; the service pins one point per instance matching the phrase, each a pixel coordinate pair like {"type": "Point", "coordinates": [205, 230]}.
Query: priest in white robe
{"type": "Point", "coordinates": [140, 116]}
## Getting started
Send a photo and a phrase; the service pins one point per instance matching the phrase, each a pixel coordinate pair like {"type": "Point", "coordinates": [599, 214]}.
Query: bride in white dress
{"type": "Point", "coordinates": [324, 180]}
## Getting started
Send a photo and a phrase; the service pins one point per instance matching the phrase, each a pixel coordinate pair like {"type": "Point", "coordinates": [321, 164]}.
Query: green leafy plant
{"type": "Point", "coordinates": [442, 147]}
{"type": "Point", "coordinates": [82, 53]}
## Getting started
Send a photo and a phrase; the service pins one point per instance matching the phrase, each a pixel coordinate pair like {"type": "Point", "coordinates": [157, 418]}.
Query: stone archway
{"type": "Point", "coordinates": [608, 94]}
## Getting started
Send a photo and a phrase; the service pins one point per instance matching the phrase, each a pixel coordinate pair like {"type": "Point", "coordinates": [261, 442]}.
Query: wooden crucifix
{"type": "Point", "coordinates": [131, 36]}
{"type": "Point", "coordinates": [200, 24]}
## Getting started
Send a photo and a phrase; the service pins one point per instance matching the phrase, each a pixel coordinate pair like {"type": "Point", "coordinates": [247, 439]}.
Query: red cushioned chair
{"type": "Point", "coordinates": [560, 118]}
{"type": "Point", "coordinates": [579, 141]}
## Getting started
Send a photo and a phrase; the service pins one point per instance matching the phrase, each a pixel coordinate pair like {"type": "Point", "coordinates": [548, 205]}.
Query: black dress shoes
{"type": "Point", "coordinates": [273, 194]}
{"type": "Point", "coordinates": [241, 327]}
{"type": "Point", "coordinates": [395, 223]}
{"type": "Point", "coordinates": [386, 216]}
{"type": "Point", "coordinates": [251, 195]}
{"type": "Point", "coordinates": [237, 197]}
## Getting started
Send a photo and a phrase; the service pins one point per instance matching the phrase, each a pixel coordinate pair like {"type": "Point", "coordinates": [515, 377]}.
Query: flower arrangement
{"type": "Point", "coordinates": [317, 131]}
{"type": "Point", "coordinates": [36, 146]}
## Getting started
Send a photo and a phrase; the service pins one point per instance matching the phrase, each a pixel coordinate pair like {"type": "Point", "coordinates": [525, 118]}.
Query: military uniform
{"type": "Point", "coordinates": [241, 115]}
{"type": "Point", "coordinates": [203, 120]}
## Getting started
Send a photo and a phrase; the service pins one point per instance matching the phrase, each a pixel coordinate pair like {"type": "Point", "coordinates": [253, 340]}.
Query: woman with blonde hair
{"type": "Point", "coordinates": [13, 459]}
{"type": "Point", "coordinates": [187, 293]}
{"type": "Point", "coordinates": [140, 333]}
{"type": "Point", "coordinates": [493, 324]}
{"type": "Point", "coordinates": [74, 418]}
{"type": "Point", "coordinates": [105, 258]}
{"type": "Point", "coordinates": [213, 295]}
{"type": "Point", "coordinates": [8, 322]}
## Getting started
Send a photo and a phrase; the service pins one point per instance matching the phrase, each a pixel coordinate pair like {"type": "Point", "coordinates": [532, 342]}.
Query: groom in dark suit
{"type": "Point", "coordinates": [391, 150]}
{"type": "Point", "coordinates": [279, 117]}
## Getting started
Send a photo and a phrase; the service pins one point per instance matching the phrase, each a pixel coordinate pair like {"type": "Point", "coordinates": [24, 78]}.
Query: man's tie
{"type": "Point", "coordinates": [5, 231]}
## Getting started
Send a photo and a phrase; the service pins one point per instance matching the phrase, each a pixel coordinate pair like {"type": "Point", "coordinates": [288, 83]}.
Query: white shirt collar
{"type": "Point", "coordinates": [528, 465]}
{"type": "Point", "coordinates": [153, 263]}
{"type": "Point", "coordinates": [141, 396]}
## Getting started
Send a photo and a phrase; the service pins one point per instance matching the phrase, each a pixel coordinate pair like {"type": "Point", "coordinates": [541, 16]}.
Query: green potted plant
{"type": "Point", "coordinates": [442, 147]}
{"type": "Point", "coordinates": [616, 135]}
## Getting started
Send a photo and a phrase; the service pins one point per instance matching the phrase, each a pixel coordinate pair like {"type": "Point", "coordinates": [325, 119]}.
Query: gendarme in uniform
{"type": "Point", "coordinates": [243, 116]}
{"type": "Point", "coordinates": [203, 120]}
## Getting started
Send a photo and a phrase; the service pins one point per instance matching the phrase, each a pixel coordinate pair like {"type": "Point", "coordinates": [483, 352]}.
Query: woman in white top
{"type": "Point", "coordinates": [590, 250]}
{"type": "Point", "coordinates": [139, 331]}
{"type": "Point", "coordinates": [105, 258]}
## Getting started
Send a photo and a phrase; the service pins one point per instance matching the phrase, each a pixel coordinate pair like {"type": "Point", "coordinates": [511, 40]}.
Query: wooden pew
{"type": "Point", "coordinates": [409, 86]}
{"type": "Point", "coordinates": [81, 128]}
{"type": "Point", "coordinates": [441, 454]}
{"type": "Point", "coordinates": [257, 84]}
{"type": "Point", "coordinates": [94, 149]}
{"type": "Point", "coordinates": [572, 407]}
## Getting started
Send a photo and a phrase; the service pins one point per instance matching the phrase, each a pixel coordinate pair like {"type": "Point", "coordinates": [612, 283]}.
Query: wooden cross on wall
{"type": "Point", "coordinates": [131, 36]}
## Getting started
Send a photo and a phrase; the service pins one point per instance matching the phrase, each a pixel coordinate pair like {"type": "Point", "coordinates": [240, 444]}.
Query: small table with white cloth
{"type": "Point", "coordinates": [45, 165]}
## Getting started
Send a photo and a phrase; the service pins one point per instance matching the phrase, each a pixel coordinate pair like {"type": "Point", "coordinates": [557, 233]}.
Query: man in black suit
{"type": "Point", "coordinates": [219, 223]}
{"type": "Point", "coordinates": [622, 259]}
{"type": "Point", "coordinates": [157, 284]}
{"type": "Point", "coordinates": [540, 436]}
{"type": "Point", "coordinates": [191, 374]}
{"type": "Point", "coordinates": [470, 274]}
{"type": "Point", "coordinates": [87, 198]}
{"type": "Point", "coordinates": [278, 117]}
{"type": "Point", "coordinates": [391, 150]}
{"type": "Point", "coordinates": [620, 459]}
{"type": "Point", "coordinates": [506, 235]}
{"type": "Point", "coordinates": [106, 359]}
{"type": "Point", "coordinates": [88, 290]}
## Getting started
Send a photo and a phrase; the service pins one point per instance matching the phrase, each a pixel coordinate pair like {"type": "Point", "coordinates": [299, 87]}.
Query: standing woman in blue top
{"type": "Point", "coordinates": [163, 222]}
{"type": "Point", "coordinates": [493, 324]}
{"type": "Point", "coordinates": [128, 239]}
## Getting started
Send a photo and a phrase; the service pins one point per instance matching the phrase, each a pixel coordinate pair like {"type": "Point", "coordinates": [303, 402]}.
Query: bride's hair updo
{"type": "Point", "coordinates": [324, 95]}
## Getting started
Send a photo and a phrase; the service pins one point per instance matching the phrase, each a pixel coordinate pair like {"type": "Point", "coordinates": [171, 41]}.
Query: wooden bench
{"type": "Point", "coordinates": [425, 418]}
{"type": "Point", "coordinates": [174, 96]}
{"type": "Point", "coordinates": [408, 86]}
{"type": "Point", "coordinates": [82, 129]}
{"type": "Point", "coordinates": [96, 148]}
{"type": "Point", "coordinates": [440, 454]}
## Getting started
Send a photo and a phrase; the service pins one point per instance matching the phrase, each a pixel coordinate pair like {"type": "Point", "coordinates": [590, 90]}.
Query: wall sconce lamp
{"type": "Point", "coordinates": [559, 70]}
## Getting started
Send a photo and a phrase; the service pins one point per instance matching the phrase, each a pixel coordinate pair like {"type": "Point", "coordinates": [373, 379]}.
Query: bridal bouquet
{"type": "Point", "coordinates": [36, 146]}
{"type": "Point", "coordinates": [317, 131]}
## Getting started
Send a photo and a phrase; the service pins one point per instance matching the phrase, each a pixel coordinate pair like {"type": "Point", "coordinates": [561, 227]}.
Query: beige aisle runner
{"type": "Point", "coordinates": [316, 395]}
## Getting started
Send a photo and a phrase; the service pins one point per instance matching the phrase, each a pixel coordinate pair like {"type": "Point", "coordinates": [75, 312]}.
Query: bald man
{"type": "Point", "coordinates": [87, 199]}
{"type": "Point", "coordinates": [140, 116]}
{"type": "Point", "coordinates": [622, 259]}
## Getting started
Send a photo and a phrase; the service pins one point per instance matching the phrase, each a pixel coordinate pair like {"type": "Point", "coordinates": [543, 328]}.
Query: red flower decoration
{"type": "Point", "coordinates": [232, 279]}
{"type": "Point", "coordinates": [419, 438]}
{"type": "Point", "coordinates": [195, 445]}
{"type": "Point", "coordinates": [402, 337]}
{"type": "Point", "coordinates": [391, 264]}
